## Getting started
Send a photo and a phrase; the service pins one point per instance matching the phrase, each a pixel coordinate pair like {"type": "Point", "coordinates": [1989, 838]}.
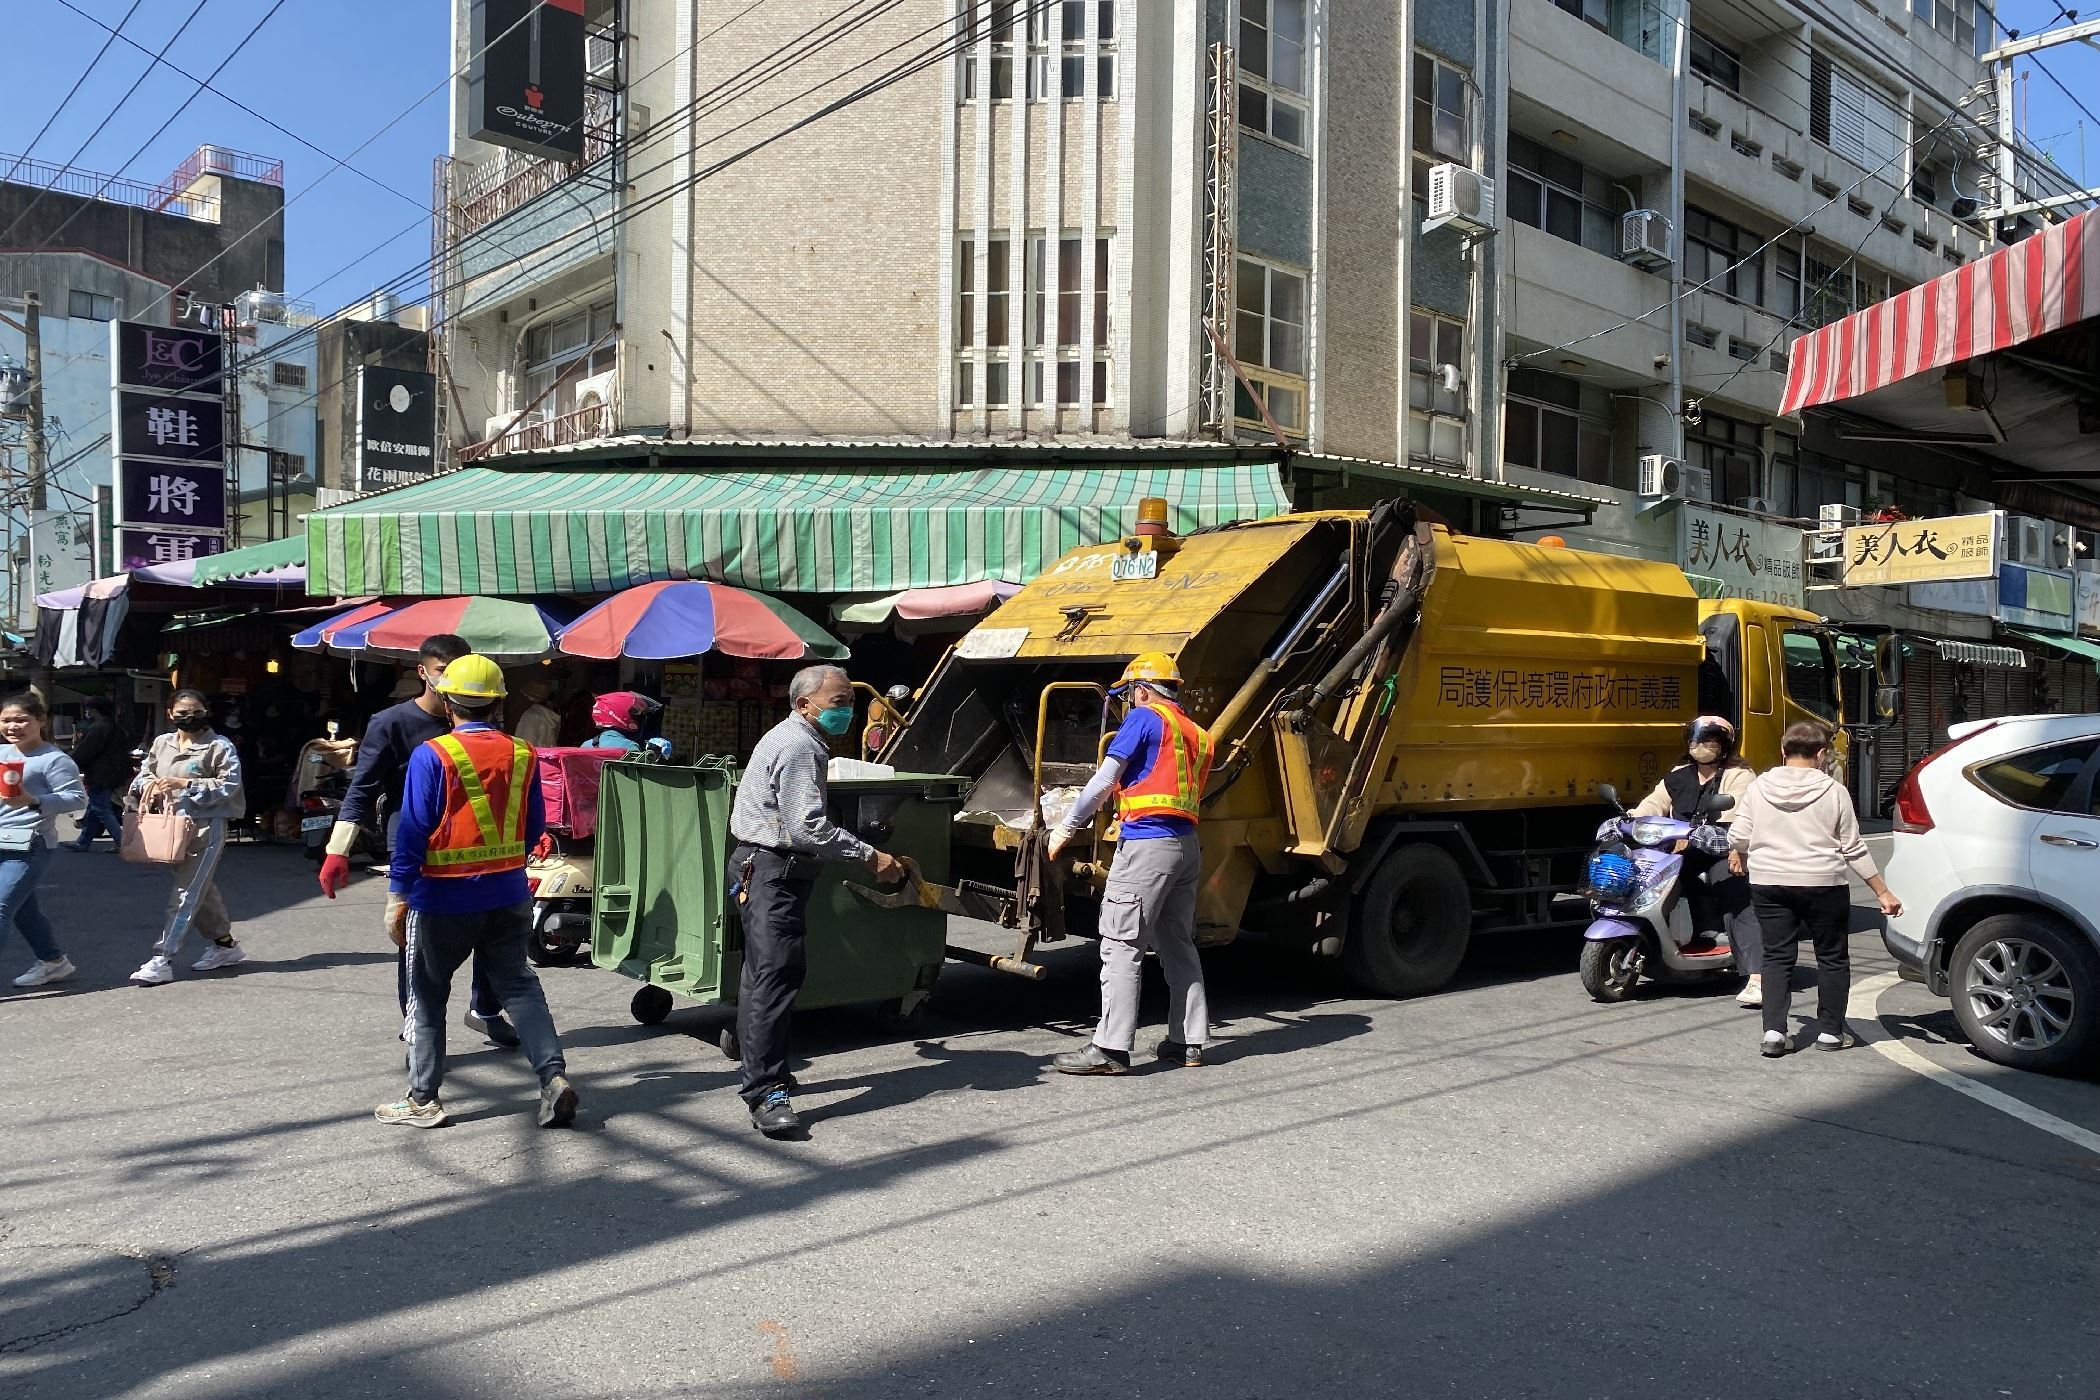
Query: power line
{"type": "Point", "coordinates": [74, 90]}
{"type": "Point", "coordinates": [107, 118]}
{"type": "Point", "coordinates": [161, 130]}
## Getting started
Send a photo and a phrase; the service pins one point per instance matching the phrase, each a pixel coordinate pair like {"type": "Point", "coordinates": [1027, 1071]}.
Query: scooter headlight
{"type": "Point", "coordinates": [1652, 831]}
{"type": "Point", "coordinates": [1645, 901]}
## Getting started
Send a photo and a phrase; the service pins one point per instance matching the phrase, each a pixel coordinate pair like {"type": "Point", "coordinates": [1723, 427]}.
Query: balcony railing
{"type": "Point", "coordinates": [512, 180]}
{"type": "Point", "coordinates": [586, 424]}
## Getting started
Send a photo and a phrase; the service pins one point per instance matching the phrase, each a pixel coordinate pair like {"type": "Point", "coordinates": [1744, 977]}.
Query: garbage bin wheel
{"type": "Point", "coordinates": [906, 1013]}
{"type": "Point", "coordinates": [729, 1045]}
{"type": "Point", "coordinates": [651, 1005]}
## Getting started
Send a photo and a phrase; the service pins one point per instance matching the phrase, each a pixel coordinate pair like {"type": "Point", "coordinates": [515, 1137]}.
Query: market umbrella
{"type": "Point", "coordinates": [345, 632]}
{"type": "Point", "coordinates": [685, 617]}
{"type": "Point", "coordinates": [498, 628]}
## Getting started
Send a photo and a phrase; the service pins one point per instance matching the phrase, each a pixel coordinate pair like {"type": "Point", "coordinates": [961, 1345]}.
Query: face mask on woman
{"type": "Point", "coordinates": [190, 721]}
{"type": "Point", "coordinates": [1705, 753]}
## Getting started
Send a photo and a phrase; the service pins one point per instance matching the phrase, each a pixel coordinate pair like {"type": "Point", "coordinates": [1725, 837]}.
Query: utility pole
{"type": "Point", "coordinates": [33, 356]}
{"type": "Point", "coordinates": [1678, 16]}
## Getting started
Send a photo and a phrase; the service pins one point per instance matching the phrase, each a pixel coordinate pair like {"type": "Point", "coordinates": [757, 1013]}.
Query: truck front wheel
{"type": "Point", "coordinates": [1412, 922]}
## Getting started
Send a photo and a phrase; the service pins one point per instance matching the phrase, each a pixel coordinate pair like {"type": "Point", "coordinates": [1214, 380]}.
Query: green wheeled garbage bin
{"type": "Point", "coordinates": [661, 911]}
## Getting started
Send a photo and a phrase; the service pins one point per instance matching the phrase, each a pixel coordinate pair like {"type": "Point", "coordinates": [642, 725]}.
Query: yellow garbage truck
{"type": "Point", "coordinates": [1411, 726]}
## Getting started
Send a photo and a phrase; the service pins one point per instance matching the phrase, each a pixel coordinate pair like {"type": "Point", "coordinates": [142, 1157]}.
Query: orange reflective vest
{"type": "Point", "coordinates": [488, 776]}
{"type": "Point", "coordinates": [1174, 785]}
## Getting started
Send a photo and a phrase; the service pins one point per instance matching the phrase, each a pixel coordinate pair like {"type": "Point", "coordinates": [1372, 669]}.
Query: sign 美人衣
{"type": "Point", "coordinates": [1922, 551]}
{"type": "Point", "coordinates": [525, 83]}
{"type": "Point", "coordinates": [1748, 557]}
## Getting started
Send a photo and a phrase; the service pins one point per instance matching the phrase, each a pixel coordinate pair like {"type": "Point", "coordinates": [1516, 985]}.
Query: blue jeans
{"type": "Point", "coordinates": [100, 819]}
{"type": "Point", "coordinates": [19, 872]}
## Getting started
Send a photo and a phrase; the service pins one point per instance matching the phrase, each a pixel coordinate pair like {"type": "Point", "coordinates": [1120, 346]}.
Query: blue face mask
{"type": "Point", "coordinates": [836, 720]}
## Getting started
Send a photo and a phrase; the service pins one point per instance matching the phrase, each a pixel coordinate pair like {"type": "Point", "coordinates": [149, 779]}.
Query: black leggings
{"type": "Point", "coordinates": [1824, 914]}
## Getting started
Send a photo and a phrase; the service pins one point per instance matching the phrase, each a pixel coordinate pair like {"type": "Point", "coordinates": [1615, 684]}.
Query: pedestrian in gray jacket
{"type": "Point", "coordinates": [1797, 835]}
{"type": "Point", "coordinates": [201, 770]}
{"type": "Point", "coordinates": [50, 789]}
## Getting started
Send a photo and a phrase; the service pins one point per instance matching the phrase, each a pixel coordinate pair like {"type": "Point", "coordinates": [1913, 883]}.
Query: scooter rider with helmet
{"type": "Point", "coordinates": [1155, 767]}
{"type": "Point", "coordinates": [1718, 899]}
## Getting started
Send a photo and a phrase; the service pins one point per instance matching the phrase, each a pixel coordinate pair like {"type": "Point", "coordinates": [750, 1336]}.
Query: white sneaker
{"type": "Point", "coordinates": [1753, 994]}
{"type": "Point", "coordinates": [42, 973]}
{"type": "Point", "coordinates": [219, 955]}
{"type": "Point", "coordinates": [154, 972]}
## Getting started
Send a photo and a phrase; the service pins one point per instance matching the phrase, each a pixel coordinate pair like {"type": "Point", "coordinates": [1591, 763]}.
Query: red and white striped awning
{"type": "Point", "coordinates": [2046, 282]}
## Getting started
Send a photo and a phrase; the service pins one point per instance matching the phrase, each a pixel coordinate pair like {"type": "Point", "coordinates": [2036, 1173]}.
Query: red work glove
{"type": "Point", "coordinates": [545, 847]}
{"type": "Point", "coordinates": [335, 873]}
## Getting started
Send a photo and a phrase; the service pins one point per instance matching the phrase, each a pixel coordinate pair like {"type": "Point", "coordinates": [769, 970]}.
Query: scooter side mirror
{"type": "Point", "coordinates": [335, 729]}
{"type": "Point", "coordinates": [1715, 803]}
{"type": "Point", "coordinates": [1610, 794]}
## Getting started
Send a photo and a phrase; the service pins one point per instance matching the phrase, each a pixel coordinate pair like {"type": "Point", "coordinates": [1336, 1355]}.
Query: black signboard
{"type": "Point", "coordinates": [185, 495]}
{"type": "Point", "coordinates": [169, 427]}
{"type": "Point", "coordinates": [525, 83]}
{"type": "Point", "coordinates": [396, 426]}
{"type": "Point", "coordinates": [142, 549]}
{"type": "Point", "coordinates": [166, 357]}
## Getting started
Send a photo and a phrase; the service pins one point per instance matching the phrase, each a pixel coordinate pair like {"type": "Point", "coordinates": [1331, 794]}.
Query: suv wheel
{"type": "Point", "coordinates": [2026, 991]}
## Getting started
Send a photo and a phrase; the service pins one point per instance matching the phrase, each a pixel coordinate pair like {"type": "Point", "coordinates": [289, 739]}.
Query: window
{"type": "Point", "coordinates": [1728, 449]}
{"type": "Point", "coordinates": [1835, 283]}
{"type": "Point", "coordinates": [1440, 131]}
{"type": "Point", "coordinates": [1969, 23]}
{"type": "Point", "coordinates": [1717, 63]}
{"type": "Point", "coordinates": [1268, 339]}
{"type": "Point", "coordinates": [560, 353]}
{"type": "Point", "coordinates": [1810, 480]}
{"type": "Point", "coordinates": [1811, 671]}
{"type": "Point", "coordinates": [2041, 780]}
{"type": "Point", "coordinates": [90, 306]}
{"type": "Point", "coordinates": [291, 464]}
{"type": "Point", "coordinates": [286, 375]}
{"type": "Point", "coordinates": [1786, 283]}
{"type": "Point", "coordinates": [1722, 257]}
{"type": "Point", "coordinates": [1596, 12]}
{"type": "Point", "coordinates": [1272, 69]}
{"type": "Point", "coordinates": [1853, 116]}
{"type": "Point", "coordinates": [1436, 388]}
{"type": "Point", "coordinates": [1546, 191]}
{"type": "Point", "coordinates": [1080, 374]}
{"type": "Point", "coordinates": [1544, 428]}
{"type": "Point", "coordinates": [1073, 38]}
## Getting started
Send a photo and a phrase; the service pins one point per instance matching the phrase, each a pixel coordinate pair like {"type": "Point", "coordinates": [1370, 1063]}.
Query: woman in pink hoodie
{"type": "Point", "coordinates": [1797, 835]}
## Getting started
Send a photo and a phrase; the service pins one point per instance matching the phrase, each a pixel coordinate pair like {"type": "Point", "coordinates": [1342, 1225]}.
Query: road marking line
{"type": "Point", "coordinates": [1899, 1053]}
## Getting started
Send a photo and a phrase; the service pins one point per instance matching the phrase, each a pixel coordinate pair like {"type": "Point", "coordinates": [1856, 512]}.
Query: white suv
{"type": "Point", "coordinates": [1997, 861]}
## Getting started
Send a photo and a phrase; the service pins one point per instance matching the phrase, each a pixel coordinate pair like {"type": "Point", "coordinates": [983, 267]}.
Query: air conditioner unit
{"type": "Point", "coordinates": [1668, 479]}
{"type": "Point", "coordinates": [597, 388]}
{"type": "Point", "coordinates": [1644, 237]}
{"type": "Point", "coordinates": [2041, 544]}
{"type": "Point", "coordinates": [1756, 505]}
{"type": "Point", "coordinates": [601, 55]}
{"type": "Point", "coordinates": [1462, 196]}
{"type": "Point", "coordinates": [1837, 517]}
{"type": "Point", "coordinates": [501, 424]}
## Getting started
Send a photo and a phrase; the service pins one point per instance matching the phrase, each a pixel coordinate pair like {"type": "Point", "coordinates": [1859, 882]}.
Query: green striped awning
{"type": "Point", "coordinates": [250, 560]}
{"type": "Point", "coordinates": [870, 530]}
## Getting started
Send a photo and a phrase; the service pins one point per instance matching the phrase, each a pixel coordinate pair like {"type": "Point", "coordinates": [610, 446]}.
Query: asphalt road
{"type": "Point", "coordinates": [1500, 1191]}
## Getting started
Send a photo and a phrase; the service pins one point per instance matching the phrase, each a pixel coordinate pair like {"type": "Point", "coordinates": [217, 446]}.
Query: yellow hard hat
{"type": "Point", "coordinates": [472, 677]}
{"type": "Point", "coordinates": [1155, 667]}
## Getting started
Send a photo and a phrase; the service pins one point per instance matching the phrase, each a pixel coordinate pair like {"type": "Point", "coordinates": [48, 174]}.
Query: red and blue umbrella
{"type": "Point", "coordinates": [676, 618]}
{"type": "Point", "coordinates": [498, 628]}
{"type": "Point", "coordinates": [345, 632]}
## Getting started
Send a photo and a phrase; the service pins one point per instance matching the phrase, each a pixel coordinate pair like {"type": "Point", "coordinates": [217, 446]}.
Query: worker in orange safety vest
{"type": "Point", "coordinates": [1155, 766]}
{"type": "Point", "coordinates": [470, 811]}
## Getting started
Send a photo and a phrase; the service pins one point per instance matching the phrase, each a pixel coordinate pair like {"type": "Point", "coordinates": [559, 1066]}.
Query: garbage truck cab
{"type": "Point", "coordinates": [1410, 726]}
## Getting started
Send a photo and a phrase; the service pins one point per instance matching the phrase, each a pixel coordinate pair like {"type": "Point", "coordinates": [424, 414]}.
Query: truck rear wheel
{"type": "Point", "coordinates": [1412, 922]}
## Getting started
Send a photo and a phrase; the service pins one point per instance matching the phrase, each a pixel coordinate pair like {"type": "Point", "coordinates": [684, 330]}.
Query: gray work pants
{"type": "Point", "coordinates": [1150, 903]}
{"type": "Point", "coordinates": [495, 938]}
{"type": "Point", "coordinates": [194, 900]}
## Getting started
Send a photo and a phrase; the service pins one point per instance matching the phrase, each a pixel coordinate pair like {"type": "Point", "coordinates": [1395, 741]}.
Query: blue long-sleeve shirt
{"type": "Point", "coordinates": [394, 734]}
{"type": "Point", "coordinates": [422, 808]}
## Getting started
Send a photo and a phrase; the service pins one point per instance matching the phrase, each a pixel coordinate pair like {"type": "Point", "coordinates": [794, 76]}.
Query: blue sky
{"type": "Point", "coordinates": [337, 71]}
{"type": "Point", "coordinates": [332, 71]}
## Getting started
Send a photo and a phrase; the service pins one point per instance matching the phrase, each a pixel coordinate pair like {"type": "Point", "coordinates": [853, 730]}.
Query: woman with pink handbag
{"type": "Point", "coordinates": [194, 774]}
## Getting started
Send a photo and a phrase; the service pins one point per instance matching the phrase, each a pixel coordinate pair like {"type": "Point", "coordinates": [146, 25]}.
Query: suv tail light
{"type": "Point", "coordinates": [1912, 814]}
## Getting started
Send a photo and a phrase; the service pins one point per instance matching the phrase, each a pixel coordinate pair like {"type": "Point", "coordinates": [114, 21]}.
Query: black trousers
{"type": "Point", "coordinates": [1824, 914]}
{"type": "Point", "coordinates": [775, 918]}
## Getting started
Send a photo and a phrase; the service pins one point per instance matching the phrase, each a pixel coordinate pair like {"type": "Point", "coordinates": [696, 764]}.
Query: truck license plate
{"type": "Point", "coordinates": [316, 823]}
{"type": "Point", "coordinates": [1134, 566]}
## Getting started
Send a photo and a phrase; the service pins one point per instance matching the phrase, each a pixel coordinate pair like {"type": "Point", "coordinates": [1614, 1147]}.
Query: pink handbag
{"type": "Point", "coordinates": [157, 834]}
